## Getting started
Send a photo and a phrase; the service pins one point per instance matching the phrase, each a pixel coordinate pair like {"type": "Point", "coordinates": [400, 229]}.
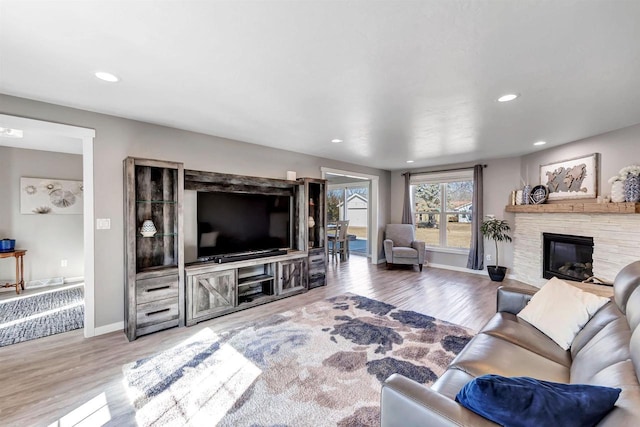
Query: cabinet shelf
{"type": "Point", "coordinates": [158, 235]}
{"type": "Point", "coordinates": [157, 201]}
{"type": "Point", "coordinates": [251, 299]}
{"type": "Point", "coordinates": [254, 279]}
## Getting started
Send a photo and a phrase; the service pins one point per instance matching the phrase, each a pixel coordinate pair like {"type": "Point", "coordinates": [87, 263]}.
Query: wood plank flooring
{"type": "Point", "coordinates": [49, 381]}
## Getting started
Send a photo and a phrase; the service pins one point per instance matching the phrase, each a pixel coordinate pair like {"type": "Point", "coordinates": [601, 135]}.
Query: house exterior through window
{"type": "Point", "coordinates": [443, 208]}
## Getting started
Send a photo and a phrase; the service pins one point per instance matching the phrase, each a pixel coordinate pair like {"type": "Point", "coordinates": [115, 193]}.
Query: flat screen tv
{"type": "Point", "coordinates": [230, 223]}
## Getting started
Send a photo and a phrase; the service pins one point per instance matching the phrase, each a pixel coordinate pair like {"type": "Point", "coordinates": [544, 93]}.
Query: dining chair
{"type": "Point", "coordinates": [338, 239]}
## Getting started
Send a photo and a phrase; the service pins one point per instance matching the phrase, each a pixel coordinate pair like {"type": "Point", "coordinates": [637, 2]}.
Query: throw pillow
{"type": "Point", "coordinates": [523, 401]}
{"type": "Point", "coordinates": [560, 310]}
{"type": "Point", "coordinates": [209, 240]}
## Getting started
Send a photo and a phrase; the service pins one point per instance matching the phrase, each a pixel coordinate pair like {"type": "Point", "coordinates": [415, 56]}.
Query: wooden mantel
{"type": "Point", "coordinates": [577, 207]}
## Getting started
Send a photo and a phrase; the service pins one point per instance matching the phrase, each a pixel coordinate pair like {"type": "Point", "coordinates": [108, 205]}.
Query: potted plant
{"type": "Point", "coordinates": [498, 231]}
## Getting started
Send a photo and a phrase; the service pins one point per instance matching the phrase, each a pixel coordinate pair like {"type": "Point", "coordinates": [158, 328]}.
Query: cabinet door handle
{"type": "Point", "coordinates": [158, 289]}
{"type": "Point", "coordinates": [153, 313]}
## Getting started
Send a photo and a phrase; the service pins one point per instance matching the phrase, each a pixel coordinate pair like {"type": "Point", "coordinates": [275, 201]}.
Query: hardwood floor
{"type": "Point", "coordinates": [65, 379]}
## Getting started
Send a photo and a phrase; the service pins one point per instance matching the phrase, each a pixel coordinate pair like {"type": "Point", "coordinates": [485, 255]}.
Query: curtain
{"type": "Point", "coordinates": [407, 214]}
{"type": "Point", "coordinates": [476, 253]}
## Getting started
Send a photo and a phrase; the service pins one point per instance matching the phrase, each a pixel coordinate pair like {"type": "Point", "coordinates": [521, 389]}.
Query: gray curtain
{"type": "Point", "coordinates": [407, 214]}
{"type": "Point", "coordinates": [476, 253]}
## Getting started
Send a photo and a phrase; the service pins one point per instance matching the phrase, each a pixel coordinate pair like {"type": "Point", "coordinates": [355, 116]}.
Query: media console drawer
{"type": "Point", "coordinates": [157, 288]}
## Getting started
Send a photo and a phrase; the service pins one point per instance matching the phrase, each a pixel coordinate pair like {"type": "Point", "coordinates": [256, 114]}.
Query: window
{"type": "Point", "coordinates": [443, 208]}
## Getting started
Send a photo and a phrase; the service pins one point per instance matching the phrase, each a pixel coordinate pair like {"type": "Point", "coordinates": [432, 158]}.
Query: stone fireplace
{"type": "Point", "coordinates": [616, 241]}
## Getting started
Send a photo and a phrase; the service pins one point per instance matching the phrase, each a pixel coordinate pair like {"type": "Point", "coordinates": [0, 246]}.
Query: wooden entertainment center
{"type": "Point", "coordinates": [162, 292]}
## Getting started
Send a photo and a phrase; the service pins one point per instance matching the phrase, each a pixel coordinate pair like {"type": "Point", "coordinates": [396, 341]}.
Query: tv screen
{"type": "Point", "coordinates": [237, 222]}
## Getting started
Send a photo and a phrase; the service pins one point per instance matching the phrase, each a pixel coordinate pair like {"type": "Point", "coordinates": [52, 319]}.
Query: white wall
{"type": "Point", "coordinates": [117, 138]}
{"type": "Point", "coordinates": [47, 238]}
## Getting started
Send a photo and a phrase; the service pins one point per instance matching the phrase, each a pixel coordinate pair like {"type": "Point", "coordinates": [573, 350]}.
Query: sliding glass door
{"type": "Point", "coordinates": [351, 202]}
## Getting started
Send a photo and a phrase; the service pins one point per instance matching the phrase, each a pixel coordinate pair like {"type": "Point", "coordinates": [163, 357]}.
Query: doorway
{"type": "Point", "coordinates": [58, 138]}
{"type": "Point", "coordinates": [353, 196]}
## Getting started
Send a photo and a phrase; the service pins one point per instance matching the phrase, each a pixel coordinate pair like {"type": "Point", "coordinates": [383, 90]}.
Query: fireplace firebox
{"type": "Point", "coordinates": [567, 257]}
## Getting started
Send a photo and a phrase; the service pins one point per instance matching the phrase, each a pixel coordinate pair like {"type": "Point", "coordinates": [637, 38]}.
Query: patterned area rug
{"type": "Point", "coordinates": [41, 315]}
{"type": "Point", "coordinates": [322, 365]}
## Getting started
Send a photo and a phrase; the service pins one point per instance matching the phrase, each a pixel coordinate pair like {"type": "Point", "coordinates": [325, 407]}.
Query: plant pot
{"type": "Point", "coordinates": [497, 273]}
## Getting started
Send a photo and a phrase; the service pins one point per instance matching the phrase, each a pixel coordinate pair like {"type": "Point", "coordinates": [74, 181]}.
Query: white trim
{"type": "Point", "coordinates": [456, 268]}
{"type": "Point", "coordinates": [87, 136]}
{"type": "Point", "coordinates": [73, 279]}
{"type": "Point", "coordinates": [89, 237]}
{"type": "Point", "coordinates": [446, 250]}
{"type": "Point", "coordinates": [374, 207]}
{"type": "Point", "coordinates": [107, 329]}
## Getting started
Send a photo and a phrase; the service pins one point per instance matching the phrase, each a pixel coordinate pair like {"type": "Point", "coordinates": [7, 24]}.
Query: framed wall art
{"type": "Point", "coordinates": [50, 196]}
{"type": "Point", "coordinates": [571, 179]}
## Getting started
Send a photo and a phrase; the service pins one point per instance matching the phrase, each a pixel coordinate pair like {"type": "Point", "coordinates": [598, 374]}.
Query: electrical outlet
{"type": "Point", "coordinates": [63, 263]}
{"type": "Point", "coordinates": [488, 257]}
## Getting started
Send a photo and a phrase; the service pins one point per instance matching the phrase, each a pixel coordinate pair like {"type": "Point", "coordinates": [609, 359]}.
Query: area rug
{"type": "Point", "coordinates": [36, 316]}
{"type": "Point", "coordinates": [321, 365]}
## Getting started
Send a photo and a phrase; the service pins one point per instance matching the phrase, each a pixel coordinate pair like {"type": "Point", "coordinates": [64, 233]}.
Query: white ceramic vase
{"type": "Point", "coordinates": [617, 192]}
{"type": "Point", "coordinates": [148, 229]}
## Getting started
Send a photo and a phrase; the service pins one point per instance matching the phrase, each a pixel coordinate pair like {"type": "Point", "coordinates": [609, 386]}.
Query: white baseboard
{"type": "Point", "coordinates": [455, 268]}
{"type": "Point", "coordinates": [101, 330]}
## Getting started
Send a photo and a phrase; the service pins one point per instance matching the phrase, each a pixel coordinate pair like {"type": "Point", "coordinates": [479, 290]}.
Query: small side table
{"type": "Point", "coordinates": [18, 254]}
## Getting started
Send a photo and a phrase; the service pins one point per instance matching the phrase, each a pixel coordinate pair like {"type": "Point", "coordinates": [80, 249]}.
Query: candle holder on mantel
{"type": "Point", "coordinates": [148, 229]}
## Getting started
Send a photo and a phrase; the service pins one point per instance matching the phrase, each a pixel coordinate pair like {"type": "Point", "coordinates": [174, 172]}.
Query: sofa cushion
{"type": "Point", "coordinates": [627, 410]}
{"type": "Point", "coordinates": [626, 281]}
{"type": "Point", "coordinates": [561, 310]}
{"type": "Point", "coordinates": [486, 354]}
{"type": "Point", "coordinates": [399, 252]}
{"type": "Point", "coordinates": [511, 328]}
{"type": "Point", "coordinates": [524, 401]}
{"type": "Point", "coordinates": [607, 314]}
{"type": "Point", "coordinates": [451, 382]}
{"type": "Point", "coordinates": [606, 348]}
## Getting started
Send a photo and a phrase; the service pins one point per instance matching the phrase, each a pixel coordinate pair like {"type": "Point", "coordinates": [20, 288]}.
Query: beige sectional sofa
{"type": "Point", "coordinates": [605, 352]}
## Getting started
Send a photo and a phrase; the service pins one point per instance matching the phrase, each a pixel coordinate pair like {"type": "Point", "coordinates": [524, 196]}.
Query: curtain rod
{"type": "Point", "coordinates": [442, 170]}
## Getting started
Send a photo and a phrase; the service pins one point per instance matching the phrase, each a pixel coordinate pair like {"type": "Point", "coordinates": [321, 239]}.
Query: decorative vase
{"type": "Point", "coordinates": [148, 229]}
{"type": "Point", "coordinates": [526, 195]}
{"type": "Point", "coordinates": [617, 192]}
{"type": "Point", "coordinates": [632, 189]}
{"type": "Point", "coordinates": [312, 222]}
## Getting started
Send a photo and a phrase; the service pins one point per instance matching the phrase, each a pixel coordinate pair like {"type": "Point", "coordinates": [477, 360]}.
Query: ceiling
{"type": "Point", "coordinates": [396, 80]}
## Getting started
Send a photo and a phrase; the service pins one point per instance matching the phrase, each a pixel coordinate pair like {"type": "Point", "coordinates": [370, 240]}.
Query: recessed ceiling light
{"type": "Point", "coordinates": [11, 133]}
{"type": "Point", "coordinates": [336, 141]}
{"type": "Point", "coordinates": [540, 143]}
{"type": "Point", "coordinates": [508, 97]}
{"type": "Point", "coordinates": [409, 161]}
{"type": "Point", "coordinates": [107, 77]}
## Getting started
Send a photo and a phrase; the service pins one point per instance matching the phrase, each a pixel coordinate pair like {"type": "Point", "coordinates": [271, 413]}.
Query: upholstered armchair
{"type": "Point", "coordinates": [401, 246]}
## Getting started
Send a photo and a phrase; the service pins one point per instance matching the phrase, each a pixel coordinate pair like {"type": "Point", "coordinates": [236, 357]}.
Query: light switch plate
{"type": "Point", "coordinates": [103, 223]}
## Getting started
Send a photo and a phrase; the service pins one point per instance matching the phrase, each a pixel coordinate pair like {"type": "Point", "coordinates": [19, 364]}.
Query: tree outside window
{"type": "Point", "coordinates": [443, 213]}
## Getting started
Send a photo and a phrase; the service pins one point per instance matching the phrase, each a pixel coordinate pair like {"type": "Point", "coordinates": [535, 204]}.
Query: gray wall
{"type": "Point", "coordinates": [48, 238]}
{"type": "Point", "coordinates": [500, 178]}
{"type": "Point", "coordinates": [117, 138]}
{"type": "Point", "coordinates": [617, 149]}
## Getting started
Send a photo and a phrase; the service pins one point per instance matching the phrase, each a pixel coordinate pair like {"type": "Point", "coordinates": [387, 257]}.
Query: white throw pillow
{"type": "Point", "coordinates": [560, 310]}
{"type": "Point", "coordinates": [209, 240]}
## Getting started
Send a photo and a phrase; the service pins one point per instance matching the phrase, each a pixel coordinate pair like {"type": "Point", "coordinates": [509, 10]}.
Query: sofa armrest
{"type": "Point", "coordinates": [405, 403]}
{"type": "Point", "coordinates": [388, 250]}
{"type": "Point", "coordinates": [512, 300]}
{"type": "Point", "coordinates": [420, 247]}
